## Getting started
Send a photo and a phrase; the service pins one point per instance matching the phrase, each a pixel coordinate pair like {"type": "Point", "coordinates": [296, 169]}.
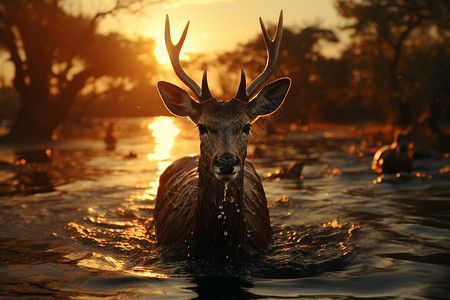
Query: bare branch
{"type": "Point", "coordinates": [119, 5]}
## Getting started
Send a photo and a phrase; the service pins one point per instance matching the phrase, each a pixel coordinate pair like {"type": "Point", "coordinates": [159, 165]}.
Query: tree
{"type": "Point", "coordinates": [382, 30]}
{"type": "Point", "coordinates": [300, 58]}
{"type": "Point", "coordinates": [56, 55]}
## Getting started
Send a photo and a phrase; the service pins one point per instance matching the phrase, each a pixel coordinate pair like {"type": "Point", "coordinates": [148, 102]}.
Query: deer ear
{"type": "Point", "coordinates": [178, 100]}
{"type": "Point", "coordinates": [269, 99]}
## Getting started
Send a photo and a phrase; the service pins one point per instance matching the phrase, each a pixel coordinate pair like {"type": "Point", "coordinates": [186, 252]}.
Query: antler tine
{"type": "Point", "coordinates": [174, 54]}
{"type": "Point", "coordinates": [273, 47]}
{"type": "Point", "coordinates": [241, 93]}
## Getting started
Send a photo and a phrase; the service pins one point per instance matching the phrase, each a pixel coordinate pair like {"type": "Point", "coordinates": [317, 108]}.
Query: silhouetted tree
{"type": "Point", "coordinates": [56, 55]}
{"type": "Point", "coordinates": [426, 78]}
{"type": "Point", "coordinates": [300, 59]}
{"type": "Point", "coordinates": [9, 102]}
{"type": "Point", "coordinates": [303, 61]}
{"type": "Point", "coordinates": [381, 32]}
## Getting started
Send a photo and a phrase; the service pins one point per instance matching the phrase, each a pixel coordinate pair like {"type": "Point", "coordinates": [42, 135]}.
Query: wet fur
{"type": "Point", "coordinates": [187, 216]}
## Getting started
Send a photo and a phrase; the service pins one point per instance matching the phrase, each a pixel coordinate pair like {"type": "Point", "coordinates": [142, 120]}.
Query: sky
{"type": "Point", "coordinates": [219, 25]}
{"type": "Point", "coordinates": [215, 25]}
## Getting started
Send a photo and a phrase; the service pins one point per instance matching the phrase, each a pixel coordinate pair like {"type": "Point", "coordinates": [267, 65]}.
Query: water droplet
{"type": "Point", "coordinates": [237, 210]}
{"type": "Point", "coordinates": [219, 216]}
{"type": "Point", "coordinates": [225, 233]}
{"type": "Point", "coordinates": [225, 191]}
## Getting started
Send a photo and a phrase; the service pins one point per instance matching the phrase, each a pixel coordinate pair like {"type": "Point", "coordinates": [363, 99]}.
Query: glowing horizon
{"type": "Point", "coordinates": [216, 25]}
{"type": "Point", "coordinates": [210, 27]}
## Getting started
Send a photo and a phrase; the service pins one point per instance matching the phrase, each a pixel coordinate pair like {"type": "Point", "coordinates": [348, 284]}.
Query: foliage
{"type": "Point", "coordinates": [388, 37]}
{"type": "Point", "coordinates": [300, 59]}
{"type": "Point", "coordinates": [57, 55]}
{"type": "Point", "coordinates": [9, 102]}
{"type": "Point", "coordinates": [394, 70]}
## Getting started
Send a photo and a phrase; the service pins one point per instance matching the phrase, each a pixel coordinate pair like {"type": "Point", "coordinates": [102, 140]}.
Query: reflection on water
{"type": "Point", "coordinates": [164, 131]}
{"type": "Point", "coordinates": [76, 221]}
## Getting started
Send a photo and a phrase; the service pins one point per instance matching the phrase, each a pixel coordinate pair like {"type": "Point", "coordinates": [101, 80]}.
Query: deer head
{"type": "Point", "coordinates": [224, 126]}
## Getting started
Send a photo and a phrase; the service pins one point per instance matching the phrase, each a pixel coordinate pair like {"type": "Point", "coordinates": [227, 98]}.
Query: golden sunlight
{"type": "Point", "coordinates": [164, 132]}
{"type": "Point", "coordinates": [162, 56]}
{"type": "Point", "coordinates": [160, 51]}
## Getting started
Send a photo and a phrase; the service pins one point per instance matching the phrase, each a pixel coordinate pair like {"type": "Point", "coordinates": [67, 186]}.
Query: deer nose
{"type": "Point", "coordinates": [226, 163]}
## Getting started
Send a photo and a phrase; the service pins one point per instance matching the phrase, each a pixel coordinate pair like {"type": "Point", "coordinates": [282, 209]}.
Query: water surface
{"type": "Point", "coordinates": [76, 221]}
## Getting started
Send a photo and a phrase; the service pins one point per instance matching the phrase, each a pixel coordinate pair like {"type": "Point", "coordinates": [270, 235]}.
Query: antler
{"type": "Point", "coordinates": [202, 93]}
{"type": "Point", "coordinates": [273, 47]}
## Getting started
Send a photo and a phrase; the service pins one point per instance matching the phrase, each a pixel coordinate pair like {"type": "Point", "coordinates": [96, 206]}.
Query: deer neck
{"type": "Point", "coordinates": [219, 220]}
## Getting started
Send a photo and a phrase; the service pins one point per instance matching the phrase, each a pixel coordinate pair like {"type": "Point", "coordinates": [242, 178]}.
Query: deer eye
{"type": "Point", "coordinates": [202, 129]}
{"type": "Point", "coordinates": [247, 128]}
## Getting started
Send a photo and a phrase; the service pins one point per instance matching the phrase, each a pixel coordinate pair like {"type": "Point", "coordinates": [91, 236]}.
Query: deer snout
{"type": "Point", "coordinates": [227, 167]}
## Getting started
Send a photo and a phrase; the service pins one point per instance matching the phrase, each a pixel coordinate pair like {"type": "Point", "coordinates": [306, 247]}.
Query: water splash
{"type": "Point", "coordinates": [225, 190]}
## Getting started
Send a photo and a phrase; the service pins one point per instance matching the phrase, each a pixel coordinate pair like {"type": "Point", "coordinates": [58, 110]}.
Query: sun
{"type": "Point", "coordinates": [160, 50]}
{"type": "Point", "coordinates": [149, 28]}
{"type": "Point", "coordinates": [161, 55]}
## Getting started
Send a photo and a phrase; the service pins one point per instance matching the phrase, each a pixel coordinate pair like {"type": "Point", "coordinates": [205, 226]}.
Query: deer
{"type": "Point", "coordinates": [213, 206]}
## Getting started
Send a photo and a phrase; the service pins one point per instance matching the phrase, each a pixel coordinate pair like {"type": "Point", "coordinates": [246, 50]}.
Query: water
{"type": "Point", "coordinates": [76, 222]}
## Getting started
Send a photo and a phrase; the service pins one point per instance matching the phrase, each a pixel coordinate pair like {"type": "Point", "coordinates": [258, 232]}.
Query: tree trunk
{"type": "Point", "coordinates": [34, 123]}
{"type": "Point", "coordinates": [39, 116]}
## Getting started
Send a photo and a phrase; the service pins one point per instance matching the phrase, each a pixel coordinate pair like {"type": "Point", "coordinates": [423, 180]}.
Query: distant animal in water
{"type": "Point", "coordinates": [110, 138]}
{"type": "Point", "coordinates": [130, 155]}
{"type": "Point", "coordinates": [394, 158]}
{"type": "Point", "coordinates": [213, 206]}
{"type": "Point", "coordinates": [293, 171]}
